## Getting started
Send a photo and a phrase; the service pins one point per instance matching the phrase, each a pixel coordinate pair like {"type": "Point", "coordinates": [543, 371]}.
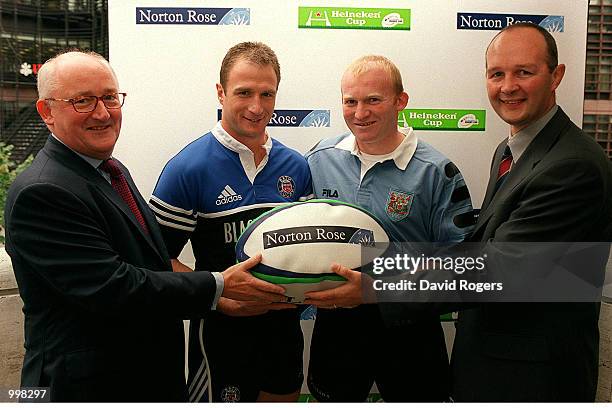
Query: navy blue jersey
{"type": "Point", "coordinates": [211, 190]}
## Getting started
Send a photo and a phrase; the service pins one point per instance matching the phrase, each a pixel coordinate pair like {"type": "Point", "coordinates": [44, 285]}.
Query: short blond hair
{"type": "Point", "coordinates": [47, 82]}
{"type": "Point", "coordinates": [369, 62]}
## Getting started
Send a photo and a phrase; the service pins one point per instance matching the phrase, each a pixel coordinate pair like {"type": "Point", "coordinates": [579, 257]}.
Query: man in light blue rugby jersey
{"type": "Point", "coordinates": [419, 195]}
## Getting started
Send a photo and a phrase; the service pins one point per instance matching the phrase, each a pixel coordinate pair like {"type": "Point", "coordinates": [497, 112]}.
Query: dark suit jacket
{"type": "Point", "coordinates": [103, 316]}
{"type": "Point", "coordinates": [560, 190]}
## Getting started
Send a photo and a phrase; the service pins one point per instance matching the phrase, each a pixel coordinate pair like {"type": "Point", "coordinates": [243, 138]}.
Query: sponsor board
{"type": "Point", "coordinates": [297, 118]}
{"type": "Point", "coordinates": [360, 18]}
{"type": "Point", "coordinates": [443, 119]}
{"type": "Point", "coordinates": [493, 21]}
{"type": "Point", "coordinates": [193, 15]}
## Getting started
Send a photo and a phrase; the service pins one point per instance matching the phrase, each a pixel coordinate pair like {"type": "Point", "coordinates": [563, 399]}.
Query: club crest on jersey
{"type": "Point", "coordinates": [286, 186]}
{"type": "Point", "coordinates": [398, 204]}
{"type": "Point", "coordinates": [230, 394]}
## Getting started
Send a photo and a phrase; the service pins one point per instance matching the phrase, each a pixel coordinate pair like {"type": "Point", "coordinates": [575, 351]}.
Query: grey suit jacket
{"type": "Point", "coordinates": [560, 190]}
{"type": "Point", "coordinates": [103, 314]}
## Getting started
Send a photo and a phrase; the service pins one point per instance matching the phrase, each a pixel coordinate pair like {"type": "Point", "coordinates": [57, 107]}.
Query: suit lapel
{"type": "Point", "coordinates": [71, 160]}
{"type": "Point", "coordinates": [154, 237]}
{"type": "Point", "coordinates": [522, 168]}
{"type": "Point", "coordinates": [485, 212]}
{"type": "Point", "coordinates": [493, 175]}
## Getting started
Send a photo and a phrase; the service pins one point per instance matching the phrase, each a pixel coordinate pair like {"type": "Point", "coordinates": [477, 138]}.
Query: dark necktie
{"type": "Point", "coordinates": [120, 185]}
{"type": "Point", "coordinates": [504, 168]}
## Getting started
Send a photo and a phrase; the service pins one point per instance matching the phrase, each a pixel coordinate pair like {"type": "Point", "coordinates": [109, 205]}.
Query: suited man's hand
{"type": "Point", "coordinates": [239, 284]}
{"type": "Point", "coordinates": [356, 291]}
{"type": "Point", "coordinates": [249, 307]}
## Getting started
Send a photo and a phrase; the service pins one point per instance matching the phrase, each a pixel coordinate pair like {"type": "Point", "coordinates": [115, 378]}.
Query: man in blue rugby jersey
{"type": "Point", "coordinates": [208, 193]}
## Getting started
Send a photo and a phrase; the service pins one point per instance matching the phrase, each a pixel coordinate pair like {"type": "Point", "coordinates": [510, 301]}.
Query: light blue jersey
{"type": "Point", "coordinates": [427, 201]}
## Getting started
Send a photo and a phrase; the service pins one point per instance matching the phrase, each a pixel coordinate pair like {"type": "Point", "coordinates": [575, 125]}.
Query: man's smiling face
{"type": "Point", "coordinates": [520, 84]}
{"type": "Point", "coordinates": [248, 100]}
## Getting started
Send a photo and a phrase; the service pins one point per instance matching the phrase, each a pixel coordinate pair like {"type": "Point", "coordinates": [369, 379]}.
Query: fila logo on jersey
{"type": "Point", "coordinates": [228, 195]}
{"type": "Point", "coordinates": [329, 193]}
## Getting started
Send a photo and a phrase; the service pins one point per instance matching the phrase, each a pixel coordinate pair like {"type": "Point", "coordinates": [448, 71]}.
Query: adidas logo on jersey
{"type": "Point", "coordinates": [228, 195]}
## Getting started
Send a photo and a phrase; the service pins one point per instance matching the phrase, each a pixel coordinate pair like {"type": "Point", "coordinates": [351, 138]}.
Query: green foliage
{"type": "Point", "coordinates": [8, 172]}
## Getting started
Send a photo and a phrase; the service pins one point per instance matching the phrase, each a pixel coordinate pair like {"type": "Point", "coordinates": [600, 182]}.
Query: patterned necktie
{"type": "Point", "coordinates": [120, 185]}
{"type": "Point", "coordinates": [504, 168]}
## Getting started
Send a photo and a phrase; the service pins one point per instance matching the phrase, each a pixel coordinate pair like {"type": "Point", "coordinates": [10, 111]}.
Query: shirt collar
{"type": "Point", "coordinates": [95, 163]}
{"type": "Point", "coordinates": [519, 142]}
{"type": "Point", "coordinates": [246, 156]}
{"type": "Point", "coordinates": [401, 155]}
{"type": "Point", "coordinates": [234, 145]}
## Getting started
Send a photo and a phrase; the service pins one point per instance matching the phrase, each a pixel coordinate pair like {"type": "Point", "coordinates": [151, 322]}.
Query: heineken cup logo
{"type": "Point", "coordinates": [443, 119]}
{"type": "Point", "coordinates": [354, 18]}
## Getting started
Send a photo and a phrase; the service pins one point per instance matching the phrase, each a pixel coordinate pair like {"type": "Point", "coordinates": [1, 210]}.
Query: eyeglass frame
{"type": "Point", "coordinates": [98, 99]}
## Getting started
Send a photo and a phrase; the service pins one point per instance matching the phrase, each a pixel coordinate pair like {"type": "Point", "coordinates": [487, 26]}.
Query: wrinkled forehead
{"type": "Point", "coordinates": [77, 65]}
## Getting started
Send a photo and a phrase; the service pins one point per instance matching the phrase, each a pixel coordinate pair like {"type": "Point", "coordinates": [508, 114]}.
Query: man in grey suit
{"type": "Point", "coordinates": [103, 311]}
{"type": "Point", "coordinates": [549, 182]}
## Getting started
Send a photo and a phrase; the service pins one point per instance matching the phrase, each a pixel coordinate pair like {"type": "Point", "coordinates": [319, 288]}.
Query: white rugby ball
{"type": "Point", "coordinates": [300, 241]}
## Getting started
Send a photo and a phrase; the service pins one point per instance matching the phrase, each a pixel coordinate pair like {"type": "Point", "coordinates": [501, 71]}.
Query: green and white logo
{"type": "Point", "coordinates": [361, 18]}
{"type": "Point", "coordinates": [443, 119]}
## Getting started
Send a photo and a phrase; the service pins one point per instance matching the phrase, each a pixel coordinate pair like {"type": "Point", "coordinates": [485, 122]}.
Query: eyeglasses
{"type": "Point", "coordinates": [86, 104]}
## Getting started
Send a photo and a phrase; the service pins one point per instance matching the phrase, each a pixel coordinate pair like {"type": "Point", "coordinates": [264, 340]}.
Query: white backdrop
{"type": "Point", "coordinates": [169, 72]}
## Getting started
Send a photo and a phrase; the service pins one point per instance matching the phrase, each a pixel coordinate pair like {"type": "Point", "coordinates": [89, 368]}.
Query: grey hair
{"type": "Point", "coordinates": [47, 82]}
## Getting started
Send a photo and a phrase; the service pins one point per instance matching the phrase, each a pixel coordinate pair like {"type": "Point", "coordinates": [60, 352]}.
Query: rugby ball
{"type": "Point", "coordinates": [299, 242]}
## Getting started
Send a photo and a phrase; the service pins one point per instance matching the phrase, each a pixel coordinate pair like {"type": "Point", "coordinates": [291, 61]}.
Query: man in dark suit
{"type": "Point", "coordinates": [549, 183]}
{"type": "Point", "coordinates": [103, 312]}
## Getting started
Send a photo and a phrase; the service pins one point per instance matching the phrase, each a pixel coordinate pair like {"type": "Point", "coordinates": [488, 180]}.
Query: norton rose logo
{"type": "Point", "coordinates": [492, 21]}
{"type": "Point", "coordinates": [314, 234]}
{"type": "Point", "coordinates": [297, 118]}
{"type": "Point", "coordinates": [193, 15]}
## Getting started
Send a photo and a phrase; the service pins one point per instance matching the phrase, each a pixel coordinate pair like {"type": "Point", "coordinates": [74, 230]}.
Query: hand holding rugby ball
{"type": "Point", "coordinates": [300, 241]}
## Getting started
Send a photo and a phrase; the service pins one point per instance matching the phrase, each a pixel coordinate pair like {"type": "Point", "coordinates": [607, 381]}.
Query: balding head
{"type": "Point", "coordinates": [48, 74]}
{"type": "Point", "coordinates": [550, 45]}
